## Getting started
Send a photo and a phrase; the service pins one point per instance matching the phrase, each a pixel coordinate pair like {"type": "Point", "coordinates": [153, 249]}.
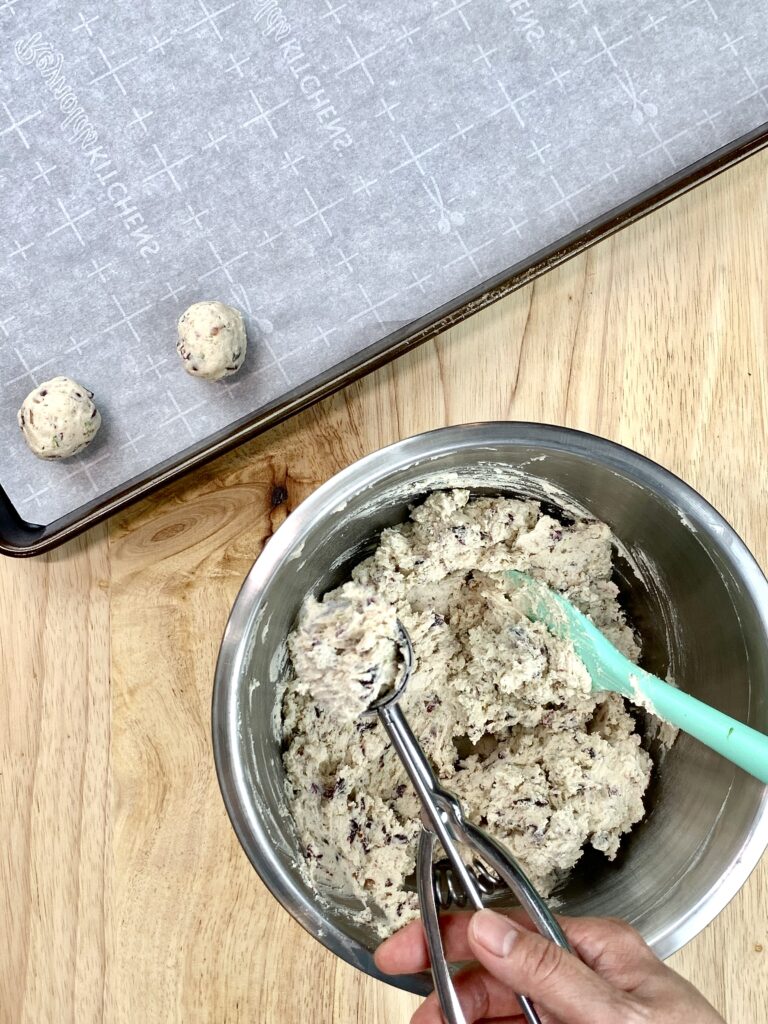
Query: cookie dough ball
{"type": "Point", "coordinates": [58, 419]}
{"type": "Point", "coordinates": [345, 651]}
{"type": "Point", "coordinates": [212, 340]}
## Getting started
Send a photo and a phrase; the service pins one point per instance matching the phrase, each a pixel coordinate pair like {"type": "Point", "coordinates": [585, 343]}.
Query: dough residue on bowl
{"type": "Point", "coordinates": [503, 709]}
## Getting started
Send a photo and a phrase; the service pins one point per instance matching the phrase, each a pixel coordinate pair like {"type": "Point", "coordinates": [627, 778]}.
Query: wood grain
{"type": "Point", "coordinates": [125, 895]}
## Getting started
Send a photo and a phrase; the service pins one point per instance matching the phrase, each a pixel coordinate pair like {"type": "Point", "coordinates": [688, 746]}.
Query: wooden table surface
{"type": "Point", "coordinates": [125, 896]}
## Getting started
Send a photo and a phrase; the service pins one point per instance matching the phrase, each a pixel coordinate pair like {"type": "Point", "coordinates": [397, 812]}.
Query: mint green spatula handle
{"type": "Point", "coordinates": [746, 747]}
{"type": "Point", "coordinates": [610, 670]}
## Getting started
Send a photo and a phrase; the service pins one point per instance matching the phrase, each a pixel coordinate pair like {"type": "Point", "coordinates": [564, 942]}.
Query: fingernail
{"type": "Point", "coordinates": [494, 932]}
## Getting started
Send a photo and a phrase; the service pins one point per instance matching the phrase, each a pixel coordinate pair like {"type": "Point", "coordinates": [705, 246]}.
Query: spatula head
{"type": "Point", "coordinates": [608, 668]}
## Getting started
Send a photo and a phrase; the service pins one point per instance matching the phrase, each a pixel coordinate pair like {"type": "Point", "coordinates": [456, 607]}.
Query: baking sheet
{"type": "Point", "coordinates": [336, 171]}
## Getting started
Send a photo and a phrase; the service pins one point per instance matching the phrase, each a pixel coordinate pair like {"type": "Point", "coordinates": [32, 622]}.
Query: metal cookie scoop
{"type": "Point", "coordinates": [444, 821]}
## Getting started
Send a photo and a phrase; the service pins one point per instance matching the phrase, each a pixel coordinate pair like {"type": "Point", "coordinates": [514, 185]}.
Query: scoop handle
{"type": "Point", "coordinates": [740, 744]}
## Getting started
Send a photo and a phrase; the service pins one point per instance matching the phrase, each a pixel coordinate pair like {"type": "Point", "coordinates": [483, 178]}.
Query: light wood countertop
{"type": "Point", "coordinates": [125, 895]}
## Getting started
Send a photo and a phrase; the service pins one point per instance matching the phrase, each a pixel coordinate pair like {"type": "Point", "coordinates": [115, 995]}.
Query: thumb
{"type": "Point", "coordinates": [550, 976]}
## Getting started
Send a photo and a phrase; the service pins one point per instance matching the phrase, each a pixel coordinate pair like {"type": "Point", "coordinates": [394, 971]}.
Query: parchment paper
{"type": "Point", "coordinates": [335, 169]}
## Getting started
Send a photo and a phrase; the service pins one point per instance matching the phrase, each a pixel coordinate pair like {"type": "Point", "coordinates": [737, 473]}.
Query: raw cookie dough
{"type": "Point", "coordinates": [504, 709]}
{"type": "Point", "coordinates": [344, 650]}
{"type": "Point", "coordinates": [212, 340]}
{"type": "Point", "coordinates": [58, 419]}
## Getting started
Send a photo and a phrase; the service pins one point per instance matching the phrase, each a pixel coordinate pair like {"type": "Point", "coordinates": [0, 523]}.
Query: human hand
{"type": "Point", "coordinates": [614, 979]}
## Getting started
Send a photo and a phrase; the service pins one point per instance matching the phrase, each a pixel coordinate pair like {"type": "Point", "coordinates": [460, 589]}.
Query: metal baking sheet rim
{"type": "Point", "coordinates": [21, 539]}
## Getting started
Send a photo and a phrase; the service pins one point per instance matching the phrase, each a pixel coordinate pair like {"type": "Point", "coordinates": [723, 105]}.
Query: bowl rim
{"type": "Point", "coordinates": [696, 513]}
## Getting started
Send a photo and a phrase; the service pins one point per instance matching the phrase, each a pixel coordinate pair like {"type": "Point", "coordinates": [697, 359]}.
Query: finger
{"type": "Point", "coordinates": [545, 1018]}
{"type": "Point", "coordinates": [518, 1019]}
{"type": "Point", "coordinates": [429, 1012]}
{"type": "Point", "coordinates": [557, 980]}
{"type": "Point", "coordinates": [609, 946]}
{"type": "Point", "coordinates": [612, 948]}
{"type": "Point", "coordinates": [482, 998]}
{"type": "Point", "coordinates": [406, 951]}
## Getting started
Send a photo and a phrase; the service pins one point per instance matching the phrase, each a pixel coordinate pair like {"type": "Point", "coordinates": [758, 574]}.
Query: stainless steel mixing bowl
{"type": "Point", "coordinates": [691, 587]}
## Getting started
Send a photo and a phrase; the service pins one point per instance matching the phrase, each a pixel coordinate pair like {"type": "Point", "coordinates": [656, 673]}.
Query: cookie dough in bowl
{"type": "Point", "coordinates": [693, 594]}
{"type": "Point", "coordinates": [503, 708]}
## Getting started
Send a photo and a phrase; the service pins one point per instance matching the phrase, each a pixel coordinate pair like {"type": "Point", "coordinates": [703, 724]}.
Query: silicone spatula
{"type": "Point", "coordinates": [610, 670]}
